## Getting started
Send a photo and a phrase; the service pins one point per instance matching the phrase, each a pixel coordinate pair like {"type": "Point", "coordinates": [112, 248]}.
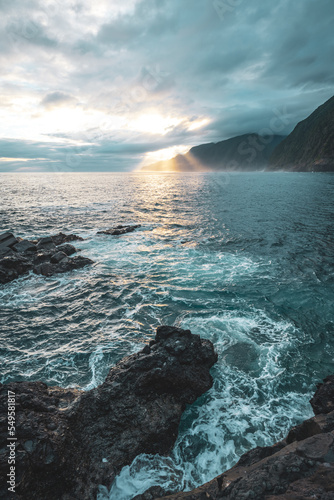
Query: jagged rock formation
{"type": "Point", "coordinates": [245, 152]}
{"type": "Point", "coordinates": [300, 467]}
{"type": "Point", "coordinates": [70, 441]}
{"type": "Point", "coordinates": [118, 230]}
{"type": "Point", "coordinates": [310, 147]}
{"type": "Point", "coordinates": [46, 256]}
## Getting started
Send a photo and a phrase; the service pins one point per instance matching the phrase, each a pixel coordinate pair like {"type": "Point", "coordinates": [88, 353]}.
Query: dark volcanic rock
{"type": "Point", "coordinates": [42, 256]}
{"type": "Point", "coordinates": [4, 237]}
{"type": "Point", "coordinates": [63, 266]}
{"type": "Point", "coordinates": [75, 263]}
{"type": "Point", "coordinates": [5, 251]}
{"type": "Point", "coordinates": [13, 266]}
{"type": "Point", "coordinates": [7, 244]}
{"type": "Point", "coordinates": [7, 240]}
{"type": "Point", "coordinates": [301, 467]}
{"type": "Point", "coordinates": [152, 493]}
{"type": "Point", "coordinates": [67, 248]}
{"type": "Point", "coordinates": [18, 256]}
{"type": "Point", "coordinates": [57, 257]}
{"type": "Point", "coordinates": [116, 231]}
{"type": "Point", "coordinates": [61, 238]}
{"type": "Point", "coordinates": [46, 244]}
{"type": "Point", "coordinates": [25, 246]}
{"type": "Point", "coordinates": [64, 434]}
{"type": "Point", "coordinates": [323, 399]}
{"type": "Point", "coordinates": [46, 269]}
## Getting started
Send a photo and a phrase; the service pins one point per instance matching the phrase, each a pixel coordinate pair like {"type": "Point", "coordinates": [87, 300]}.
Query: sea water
{"type": "Point", "coordinates": [242, 259]}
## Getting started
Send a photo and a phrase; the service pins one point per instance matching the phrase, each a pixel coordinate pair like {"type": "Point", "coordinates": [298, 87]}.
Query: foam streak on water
{"type": "Point", "coordinates": [245, 260]}
{"type": "Point", "coordinates": [249, 405]}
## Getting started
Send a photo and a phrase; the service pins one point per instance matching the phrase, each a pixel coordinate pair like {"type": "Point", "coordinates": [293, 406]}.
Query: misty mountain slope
{"type": "Point", "coordinates": [245, 152]}
{"type": "Point", "coordinates": [310, 147]}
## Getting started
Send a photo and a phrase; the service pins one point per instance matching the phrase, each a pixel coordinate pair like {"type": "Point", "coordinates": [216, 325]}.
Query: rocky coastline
{"type": "Point", "coordinates": [300, 467]}
{"type": "Point", "coordinates": [70, 441]}
{"type": "Point", "coordinates": [47, 256]}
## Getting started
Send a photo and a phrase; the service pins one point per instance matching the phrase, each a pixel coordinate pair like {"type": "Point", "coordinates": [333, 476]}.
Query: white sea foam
{"type": "Point", "coordinates": [95, 364]}
{"type": "Point", "coordinates": [144, 471]}
{"type": "Point", "coordinates": [245, 407]}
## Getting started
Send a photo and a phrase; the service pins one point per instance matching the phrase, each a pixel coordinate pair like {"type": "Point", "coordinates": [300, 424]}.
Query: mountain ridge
{"type": "Point", "coordinates": [309, 147]}
{"type": "Point", "coordinates": [245, 152]}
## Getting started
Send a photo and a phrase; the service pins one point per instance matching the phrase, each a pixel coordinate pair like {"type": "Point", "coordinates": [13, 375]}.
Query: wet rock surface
{"type": "Point", "coordinates": [70, 441]}
{"type": "Point", "coordinates": [323, 399]}
{"type": "Point", "coordinates": [46, 256]}
{"type": "Point", "coordinates": [116, 231]}
{"type": "Point", "coordinates": [151, 494]}
{"type": "Point", "coordinates": [300, 467]}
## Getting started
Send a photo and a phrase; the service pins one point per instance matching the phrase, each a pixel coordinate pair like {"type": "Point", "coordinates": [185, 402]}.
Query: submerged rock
{"type": "Point", "coordinates": [47, 256]}
{"type": "Point", "coordinates": [300, 467]}
{"type": "Point", "coordinates": [116, 231]}
{"type": "Point", "coordinates": [60, 263]}
{"type": "Point", "coordinates": [70, 441]}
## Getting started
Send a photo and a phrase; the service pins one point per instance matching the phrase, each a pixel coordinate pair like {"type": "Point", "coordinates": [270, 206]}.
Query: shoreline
{"type": "Point", "coordinates": [299, 467]}
{"type": "Point", "coordinates": [67, 442]}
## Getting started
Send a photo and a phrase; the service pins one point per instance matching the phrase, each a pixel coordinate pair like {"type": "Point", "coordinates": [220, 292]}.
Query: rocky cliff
{"type": "Point", "coordinates": [245, 152]}
{"type": "Point", "coordinates": [310, 147]}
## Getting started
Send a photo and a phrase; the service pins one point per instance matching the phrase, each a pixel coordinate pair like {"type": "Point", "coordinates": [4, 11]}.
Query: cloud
{"type": "Point", "coordinates": [76, 156]}
{"type": "Point", "coordinates": [56, 99]}
{"type": "Point", "coordinates": [69, 68]}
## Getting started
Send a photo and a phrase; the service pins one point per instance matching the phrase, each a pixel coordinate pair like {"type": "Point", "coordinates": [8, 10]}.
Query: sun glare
{"type": "Point", "coordinates": [165, 154]}
{"type": "Point", "coordinates": [198, 124]}
{"type": "Point", "coordinates": [154, 123]}
{"type": "Point", "coordinates": [69, 119]}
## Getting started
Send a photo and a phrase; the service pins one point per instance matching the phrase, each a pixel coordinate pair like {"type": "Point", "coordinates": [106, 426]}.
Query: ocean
{"type": "Point", "coordinates": [242, 259]}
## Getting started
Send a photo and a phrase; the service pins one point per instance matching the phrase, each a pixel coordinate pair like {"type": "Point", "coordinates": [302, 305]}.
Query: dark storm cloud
{"type": "Point", "coordinates": [237, 64]}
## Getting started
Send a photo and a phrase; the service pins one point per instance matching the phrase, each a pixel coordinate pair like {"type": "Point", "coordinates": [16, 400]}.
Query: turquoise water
{"type": "Point", "coordinates": [245, 260]}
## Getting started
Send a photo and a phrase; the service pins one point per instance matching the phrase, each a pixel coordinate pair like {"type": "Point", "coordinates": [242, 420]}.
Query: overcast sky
{"type": "Point", "coordinates": [113, 84]}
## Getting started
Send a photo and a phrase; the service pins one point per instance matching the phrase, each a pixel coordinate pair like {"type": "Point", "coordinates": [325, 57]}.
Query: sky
{"type": "Point", "coordinates": [112, 85]}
